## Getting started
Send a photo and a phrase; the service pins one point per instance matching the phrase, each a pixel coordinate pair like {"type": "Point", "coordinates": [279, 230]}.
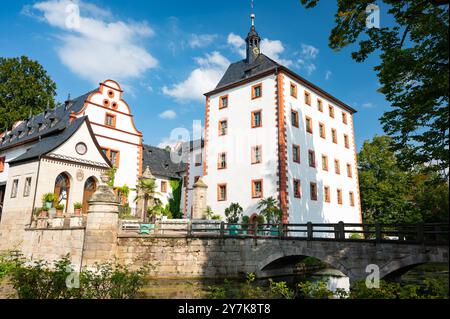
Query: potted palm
{"type": "Point", "coordinates": [233, 214]}
{"type": "Point", "coordinates": [77, 208]}
{"type": "Point", "coordinates": [48, 199]}
{"type": "Point", "coordinates": [146, 190]}
{"type": "Point", "coordinates": [269, 209]}
{"type": "Point", "coordinates": [59, 210]}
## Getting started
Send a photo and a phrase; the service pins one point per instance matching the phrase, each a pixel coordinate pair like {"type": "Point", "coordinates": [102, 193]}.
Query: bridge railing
{"type": "Point", "coordinates": [421, 233]}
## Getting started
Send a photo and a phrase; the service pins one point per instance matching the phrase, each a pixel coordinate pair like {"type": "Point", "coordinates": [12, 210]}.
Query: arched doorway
{"type": "Point", "coordinates": [62, 189]}
{"type": "Point", "coordinates": [252, 221]}
{"type": "Point", "coordinates": [90, 186]}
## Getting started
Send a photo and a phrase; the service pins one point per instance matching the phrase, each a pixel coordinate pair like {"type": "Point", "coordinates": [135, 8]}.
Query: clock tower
{"type": "Point", "coordinates": [253, 42]}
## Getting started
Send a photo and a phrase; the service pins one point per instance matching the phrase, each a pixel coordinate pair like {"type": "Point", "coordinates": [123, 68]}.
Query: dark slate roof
{"type": "Point", "coordinates": [49, 122]}
{"type": "Point", "coordinates": [159, 162]}
{"type": "Point", "coordinates": [241, 70]}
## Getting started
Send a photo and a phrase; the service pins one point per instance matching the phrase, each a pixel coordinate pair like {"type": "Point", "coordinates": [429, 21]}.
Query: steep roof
{"type": "Point", "coordinates": [160, 163]}
{"type": "Point", "coordinates": [50, 143]}
{"type": "Point", "coordinates": [49, 122]}
{"type": "Point", "coordinates": [241, 70]}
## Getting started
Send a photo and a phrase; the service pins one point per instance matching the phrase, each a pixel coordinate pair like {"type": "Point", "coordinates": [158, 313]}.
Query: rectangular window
{"type": "Point", "coordinates": [309, 126]}
{"type": "Point", "coordinates": [296, 153]}
{"type": "Point", "coordinates": [325, 163]}
{"type": "Point", "coordinates": [312, 158]}
{"type": "Point", "coordinates": [349, 171]}
{"type": "Point", "coordinates": [293, 90]}
{"type": "Point", "coordinates": [334, 136]}
{"type": "Point", "coordinates": [339, 196]}
{"type": "Point", "coordinates": [327, 194]}
{"type": "Point", "coordinates": [346, 141]}
{"type": "Point", "coordinates": [113, 156]}
{"type": "Point", "coordinates": [223, 102]}
{"type": "Point", "coordinates": [294, 118]}
{"type": "Point", "coordinates": [222, 161]}
{"type": "Point", "coordinates": [337, 167]}
{"type": "Point", "coordinates": [27, 188]}
{"type": "Point", "coordinates": [331, 110]}
{"type": "Point", "coordinates": [223, 128]}
{"type": "Point", "coordinates": [297, 189]}
{"type": "Point", "coordinates": [352, 199]}
{"type": "Point", "coordinates": [256, 119]}
{"type": "Point", "coordinates": [2, 164]}
{"type": "Point", "coordinates": [163, 187]}
{"type": "Point", "coordinates": [313, 187]}
{"type": "Point", "coordinates": [344, 117]}
{"type": "Point", "coordinates": [198, 160]}
{"type": "Point", "coordinates": [322, 131]}
{"type": "Point", "coordinates": [257, 188]}
{"type": "Point", "coordinates": [222, 192]}
{"type": "Point", "coordinates": [256, 91]}
{"type": "Point", "coordinates": [307, 98]}
{"type": "Point", "coordinates": [320, 105]}
{"type": "Point", "coordinates": [110, 120]}
{"type": "Point", "coordinates": [257, 154]}
{"type": "Point", "coordinates": [14, 189]}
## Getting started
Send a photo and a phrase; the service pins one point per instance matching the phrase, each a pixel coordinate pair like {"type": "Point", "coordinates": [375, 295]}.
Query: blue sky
{"type": "Point", "coordinates": [167, 53]}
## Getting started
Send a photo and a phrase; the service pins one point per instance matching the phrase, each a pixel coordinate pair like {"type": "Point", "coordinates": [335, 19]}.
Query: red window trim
{"type": "Point", "coordinates": [326, 161]}
{"type": "Point", "coordinates": [293, 85]}
{"type": "Point", "coordinates": [320, 105]}
{"type": "Point", "coordinates": [108, 155]}
{"type": "Point", "coordinates": [219, 186]}
{"type": "Point", "coordinates": [114, 117]}
{"type": "Point", "coordinates": [314, 195]}
{"type": "Point", "coordinates": [253, 91]}
{"type": "Point", "coordinates": [324, 131]}
{"type": "Point", "coordinates": [253, 157]}
{"type": "Point", "coordinates": [254, 181]}
{"type": "Point", "coordinates": [295, 113]}
{"type": "Point", "coordinates": [163, 187]}
{"type": "Point", "coordinates": [339, 196]}
{"type": "Point", "coordinates": [313, 154]}
{"type": "Point", "coordinates": [334, 137]}
{"type": "Point", "coordinates": [293, 157]}
{"type": "Point", "coordinates": [327, 194]}
{"type": "Point", "coordinates": [309, 129]}
{"type": "Point", "coordinates": [221, 102]}
{"type": "Point", "coordinates": [219, 161]}
{"type": "Point", "coordinates": [220, 128]}
{"type": "Point", "coordinates": [308, 98]}
{"type": "Point", "coordinates": [253, 119]}
{"type": "Point", "coordinates": [299, 194]}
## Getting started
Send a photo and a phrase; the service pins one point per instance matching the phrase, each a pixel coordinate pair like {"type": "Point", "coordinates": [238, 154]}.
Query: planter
{"type": "Point", "coordinates": [48, 205]}
{"type": "Point", "coordinates": [77, 212]}
{"type": "Point", "coordinates": [43, 214]}
{"type": "Point", "coordinates": [59, 213]}
{"type": "Point", "coordinates": [274, 231]}
{"type": "Point", "coordinates": [245, 232]}
{"type": "Point", "coordinates": [233, 230]}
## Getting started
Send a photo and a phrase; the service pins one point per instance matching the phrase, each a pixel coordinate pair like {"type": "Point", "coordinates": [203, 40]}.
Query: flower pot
{"type": "Point", "coordinates": [77, 212]}
{"type": "Point", "coordinates": [274, 231]}
{"type": "Point", "coordinates": [48, 205]}
{"type": "Point", "coordinates": [233, 230]}
{"type": "Point", "coordinates": [43, 214]}
{"type": "Point", "coordinates": [59, 213]}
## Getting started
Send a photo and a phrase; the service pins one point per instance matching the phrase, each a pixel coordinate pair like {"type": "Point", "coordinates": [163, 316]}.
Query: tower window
{"type": "Point", "coordinates": [297, 189]}
{"type": "Point", "coordinates": [256, 119]}
{"type": "Point", "coordinates": [327, 194]}
{"type": "Point", "coordinates": [257, 154]}
{"type": "Point", "coordinates": [113, 156]}
{"type": "Point", "coordinates": [312, 158]}
{"type": "Point", "coordinates": [222, 192]}
{"type": "Point", "coordinates": [307, 98]}
{"type": "Point", "coordinates": [344, 117]}
{"type": "Point", "coordinates": [349, 170]}
{"type": "Point", "coordinates": [223, 102]}
{"type": "Point", "coordinates": [110, 120]}
{"type": "Point", "coordinates": [325, 163]}
{"type": "Point", "coordinates": [337, 167]}
{"type": "Point", "coordinates": [320, 105]}
{"type": "Point", "coordinates": [346, 141]}
{"type": "Point", "coordinates": [322, 130]}
{"type": "Point", "coordinates": [223, 127]}
{"type": "Point", "coordinates": [257, 188]}
{"type": "Point", "coordinates": [309, 126]}
{"type": "Point", "coordinates": [339, 196]}
{"type": "Point", "coordinates": [296, 153]}
{"type": "Point", "coordinates": [294, 118]}
{"type": "Point", "coordinates": [293, 90]}
{"type": "Point", "coordinates": [352, 199]}
{"type": "Point", "coordinates": [222, 162]}
{"type": "Point", "coordinates": [334, 136]}
{"type": "Point", "coordinates": [313, 187]}
{"type": "Point", "coordinates": [256, 91]}
{"type": "Point", "coordinates": [331, 111]}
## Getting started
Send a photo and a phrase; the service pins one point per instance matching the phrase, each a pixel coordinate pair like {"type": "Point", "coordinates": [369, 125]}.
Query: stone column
{"type": "Point", "coordinates": [199, 204]}
{"type": "Point", "coordinates": [102, 226]}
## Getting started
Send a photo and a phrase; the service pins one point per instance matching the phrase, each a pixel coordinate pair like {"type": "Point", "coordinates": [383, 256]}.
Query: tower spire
{"type": "Point", "coordinates": [253, 40]}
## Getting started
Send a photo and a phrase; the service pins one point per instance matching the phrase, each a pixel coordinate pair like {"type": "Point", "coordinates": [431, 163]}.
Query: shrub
{"type": "Point", "coordinates": [233, 213]}
{"type": "Point", "coordinates": [78, 205]}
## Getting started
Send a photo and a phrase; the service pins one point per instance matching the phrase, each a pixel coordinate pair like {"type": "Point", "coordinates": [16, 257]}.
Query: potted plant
{"type": "Point", "coordinates": [245, 223]}
{"type": "Point", "coordinates": [43, 212]}
{"type": "Point", "coordinates": [269, 209]}
{"type": "Point", "coordinates": [260, 222]}
{"type": "Point", "coordinates": [233, 214]}
{"type": "Point", "coordinates": [77, 208]}
{"type": "Point", "coordinates": [59, 210]}
{"type": "Point", "coordinates": [48, 199]}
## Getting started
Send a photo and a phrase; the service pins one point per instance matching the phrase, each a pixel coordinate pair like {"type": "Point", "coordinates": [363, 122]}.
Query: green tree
{"type": "Point", "coordinates": [24, 87]}
{"type": "Point", "coordinates": [233, 213]}
{"type": "Point", "coordinates": [270, 210]}
{"type": "Point", "coordinates": [413, 72]}
{"type": "Point", "coordinates": [391, 193]}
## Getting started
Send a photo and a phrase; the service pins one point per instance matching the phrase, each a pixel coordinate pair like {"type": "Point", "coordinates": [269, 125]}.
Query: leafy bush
{"type": "Point", "coordinates": [77, 205]}
{"type": "Point", "coordinates": [233, 213]}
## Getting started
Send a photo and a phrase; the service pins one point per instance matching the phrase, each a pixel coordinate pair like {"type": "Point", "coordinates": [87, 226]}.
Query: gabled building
{"type": "Point", "coordinates": [271, 133]}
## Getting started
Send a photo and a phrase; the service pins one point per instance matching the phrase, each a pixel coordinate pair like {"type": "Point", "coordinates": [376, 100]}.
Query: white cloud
{"type": "Point", "coordinates": [308, 55]}
{"type": "Point", "coordinates": [368, 105]}
{"type": "Point", "coordinates": [93, 45]}
{"type": "Point", "coordinates": [328, 75]}
{"type": "Point", "coordinates": [201, 40]}
{"type": "Point", "coordinates": [237, 44]}
{"type": "Point", "coordinates": [168, 115]}
{"type": "Point", "coordinates": [201, 80]}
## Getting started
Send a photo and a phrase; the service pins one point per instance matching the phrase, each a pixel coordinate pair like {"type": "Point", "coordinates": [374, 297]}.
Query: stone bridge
{"type": "Point", "coordinates": [189, 257]}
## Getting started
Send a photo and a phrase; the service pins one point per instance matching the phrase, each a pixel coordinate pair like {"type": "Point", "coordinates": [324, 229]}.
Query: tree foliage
{"type": "Point", "coordinates": [413, 72]}
{"type": "Point", "coordinates": [392, 194]}
{"type": "Point", "coordinates": [24, 86]}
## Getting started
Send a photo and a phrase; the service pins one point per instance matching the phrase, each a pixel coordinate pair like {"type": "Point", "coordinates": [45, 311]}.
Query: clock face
{"type": "Point", "coordinates": [81, 148]}
{"type": "Point", "coordinates": [256, 50]}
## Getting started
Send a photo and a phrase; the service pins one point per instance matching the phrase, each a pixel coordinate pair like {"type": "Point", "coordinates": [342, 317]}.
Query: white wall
{"type": "Point", "coordinates": [11, 154]}
{"type": "Point", "coordinates": [238, 142]}
{"type": "Point", "coordinates": [304, 209]}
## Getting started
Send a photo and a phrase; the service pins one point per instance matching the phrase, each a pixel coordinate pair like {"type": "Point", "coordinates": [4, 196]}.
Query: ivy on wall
{"type": "Point", "coordinates": [175, 201]}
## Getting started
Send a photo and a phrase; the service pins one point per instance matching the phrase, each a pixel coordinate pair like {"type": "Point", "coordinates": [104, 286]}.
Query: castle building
{"type": "Point", "coordinates": [271, 133]}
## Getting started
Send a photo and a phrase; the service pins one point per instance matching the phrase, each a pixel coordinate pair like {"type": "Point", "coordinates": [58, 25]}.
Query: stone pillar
{"type": "Point", "coordinates": [199, 204]}
{"type": "Point", "coordinates": [102, 226]}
